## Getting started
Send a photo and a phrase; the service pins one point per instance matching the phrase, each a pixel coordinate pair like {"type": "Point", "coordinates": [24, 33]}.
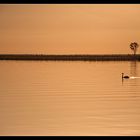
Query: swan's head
{"type": "Point", "coordinates": [122, 73]}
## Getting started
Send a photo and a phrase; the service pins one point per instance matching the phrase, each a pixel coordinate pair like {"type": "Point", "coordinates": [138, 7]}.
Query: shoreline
{"type": "Point", "coordinates": [82, 57]}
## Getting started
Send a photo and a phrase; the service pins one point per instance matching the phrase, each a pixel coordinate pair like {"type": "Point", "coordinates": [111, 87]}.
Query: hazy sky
{"type": "Point", "coordinates": [69, 28]}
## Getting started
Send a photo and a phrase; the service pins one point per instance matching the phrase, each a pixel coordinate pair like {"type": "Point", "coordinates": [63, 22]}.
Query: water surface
{"type": "Point", "coordinates": [69, 98]}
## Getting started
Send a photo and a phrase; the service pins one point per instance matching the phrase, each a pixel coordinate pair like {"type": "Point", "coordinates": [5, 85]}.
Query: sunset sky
{"type": "Point", "coordinates": [69, 28]}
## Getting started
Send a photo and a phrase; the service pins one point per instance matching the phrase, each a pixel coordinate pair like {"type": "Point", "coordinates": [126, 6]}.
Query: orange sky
{"type": "Point", "coordinates": [69, 28]}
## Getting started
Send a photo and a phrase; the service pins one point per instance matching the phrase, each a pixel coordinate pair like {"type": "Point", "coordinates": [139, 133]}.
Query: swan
{"type": "Point", "coordinates": [124, 76]}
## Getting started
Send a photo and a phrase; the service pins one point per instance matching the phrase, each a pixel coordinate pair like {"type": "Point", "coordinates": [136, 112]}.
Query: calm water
{"type": "Point", "coordinates": [69, 98]}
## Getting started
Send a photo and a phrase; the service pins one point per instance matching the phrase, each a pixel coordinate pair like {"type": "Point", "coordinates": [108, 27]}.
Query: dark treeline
{"type": "Point", "coordinates": [113, 57]}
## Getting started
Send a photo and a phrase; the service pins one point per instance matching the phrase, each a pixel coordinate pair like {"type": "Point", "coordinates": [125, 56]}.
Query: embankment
{"type": "Point", "coordinates": [114, 57]}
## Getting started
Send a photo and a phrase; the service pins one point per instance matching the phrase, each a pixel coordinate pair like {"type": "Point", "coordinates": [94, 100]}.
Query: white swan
{"type": "Point", "coordinates": [124, 76]}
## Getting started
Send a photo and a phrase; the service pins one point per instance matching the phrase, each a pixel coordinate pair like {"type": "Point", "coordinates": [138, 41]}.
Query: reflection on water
{"type": "Point", "coordinates": [133, 71]}
{"type": "Point", "coordinates": [69, 98]}
{"type": "Point", "coordinates": [133, 68]}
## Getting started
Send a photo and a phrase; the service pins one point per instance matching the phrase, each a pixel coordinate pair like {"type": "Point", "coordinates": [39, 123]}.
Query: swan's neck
{"type": "Point", "coordinates": [122, 75]}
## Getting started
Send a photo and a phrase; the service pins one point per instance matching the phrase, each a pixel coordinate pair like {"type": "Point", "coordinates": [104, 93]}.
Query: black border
{"type": "Point", "coordinates": [69, 1]}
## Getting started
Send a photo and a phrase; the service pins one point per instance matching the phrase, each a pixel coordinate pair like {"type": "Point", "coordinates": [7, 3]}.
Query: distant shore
{"type": "Point", "coordinates": [107, 57]}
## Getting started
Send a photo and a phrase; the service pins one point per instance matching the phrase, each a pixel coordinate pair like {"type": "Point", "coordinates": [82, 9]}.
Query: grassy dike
{"type": "Point", "coordinates": [40, 57]}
